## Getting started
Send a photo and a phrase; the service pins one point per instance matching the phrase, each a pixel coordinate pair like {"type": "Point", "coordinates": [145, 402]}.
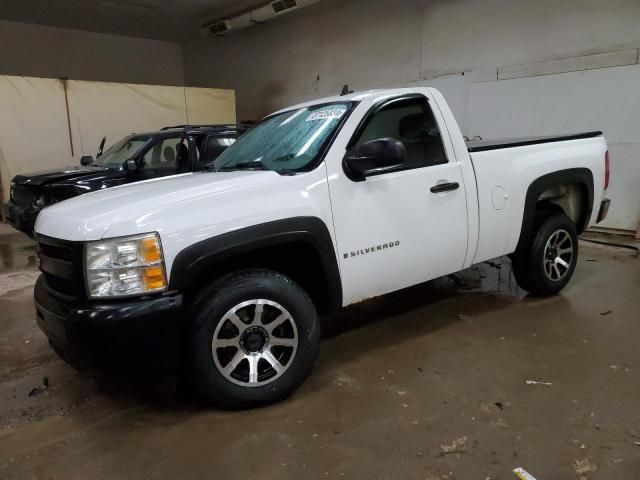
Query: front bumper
{"type": "Point", "coordinates": [21, 218]}
{"type": "Point", "coordinates": [134, 336]}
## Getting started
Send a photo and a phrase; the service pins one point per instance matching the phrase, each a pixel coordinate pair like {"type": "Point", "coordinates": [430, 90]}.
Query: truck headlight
{"type": "Point", "coordinates": [125, 266]}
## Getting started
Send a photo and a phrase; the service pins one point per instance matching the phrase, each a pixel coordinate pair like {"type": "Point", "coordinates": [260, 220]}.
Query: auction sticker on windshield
{"type": "Point", "coordinates": [326, 114]}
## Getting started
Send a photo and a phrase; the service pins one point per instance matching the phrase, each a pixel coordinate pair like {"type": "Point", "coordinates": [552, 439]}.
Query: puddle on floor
{"type": "Point", "coordinates": [491, 276]}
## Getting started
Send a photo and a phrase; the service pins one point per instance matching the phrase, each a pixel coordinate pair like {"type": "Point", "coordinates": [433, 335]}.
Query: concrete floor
{"type": "Point", "coordinates": [429, 383]}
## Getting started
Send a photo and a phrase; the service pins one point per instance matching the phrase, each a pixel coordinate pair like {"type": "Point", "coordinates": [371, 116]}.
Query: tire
{"type": "Point", "coordinates": [545, 265]}
{"type": "Point", "coordinates": [254, 340]}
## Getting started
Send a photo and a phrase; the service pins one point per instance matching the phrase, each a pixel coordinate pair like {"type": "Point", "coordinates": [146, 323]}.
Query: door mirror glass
{"type": "Point", "coordinates": [374, 157]}
{"type": "Point", "coordinates": [86, 160]}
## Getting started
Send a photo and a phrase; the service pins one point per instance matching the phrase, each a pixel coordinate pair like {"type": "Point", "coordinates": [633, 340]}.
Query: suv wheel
{"type": "Point", "coordinates": [255, 339]}
{"type": "Point", "coordinates": [547, 265]}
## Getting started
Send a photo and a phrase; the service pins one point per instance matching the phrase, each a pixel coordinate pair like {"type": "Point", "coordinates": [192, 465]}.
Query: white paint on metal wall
{"type": "Point", "coordinates": [604, 99]}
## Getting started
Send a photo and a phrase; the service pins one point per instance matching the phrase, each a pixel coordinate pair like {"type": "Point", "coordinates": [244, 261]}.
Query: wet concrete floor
{"type": "Point", "coordinates": [434, 382]}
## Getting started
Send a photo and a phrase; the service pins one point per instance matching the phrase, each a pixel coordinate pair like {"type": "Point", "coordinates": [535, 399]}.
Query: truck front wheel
{"type": "Point", "coordinates": [546, 264]}
{"type": "Point", "coordinates": [255, 339]}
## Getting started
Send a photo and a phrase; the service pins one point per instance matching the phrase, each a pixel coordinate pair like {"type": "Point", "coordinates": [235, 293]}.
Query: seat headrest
{"type": "Point", "coordinates": [169, 154]}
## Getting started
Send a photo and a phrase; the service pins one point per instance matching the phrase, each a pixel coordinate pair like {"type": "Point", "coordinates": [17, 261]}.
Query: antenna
{"type": "Point", "coordinates": [345, 90]}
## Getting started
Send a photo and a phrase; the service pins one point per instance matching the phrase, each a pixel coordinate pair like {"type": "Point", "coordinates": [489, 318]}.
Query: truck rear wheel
{"type": "Point", "coordinates": [255, 340]}
{"type": "Point", "coordinates": [545, 266]}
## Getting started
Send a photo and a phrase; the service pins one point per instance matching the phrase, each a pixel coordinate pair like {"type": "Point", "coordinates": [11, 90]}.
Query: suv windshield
{"type": "Point", "coordinates": [290, 141]}
{"type": "Point", "coordinates": [119, 152]}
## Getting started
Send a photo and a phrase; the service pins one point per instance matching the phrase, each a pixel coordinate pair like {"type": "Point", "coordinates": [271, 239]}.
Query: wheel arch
{"type": "Point", "coordinates": [579, 178]}
{"type": "Point", "coordinates": [299, 247]}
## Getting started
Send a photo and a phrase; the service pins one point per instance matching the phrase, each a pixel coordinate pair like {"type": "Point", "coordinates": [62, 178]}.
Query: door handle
{"type": "Point", "coordinates": [445, 187]}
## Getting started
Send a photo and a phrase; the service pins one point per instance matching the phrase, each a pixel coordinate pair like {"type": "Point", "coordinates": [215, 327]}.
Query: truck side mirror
{"type": "Point", "coordinates": [374, 157]}
{"type": "Point", "coordinates": [130, 165]}
{"type": "Point", "coordinates": [86, 160]}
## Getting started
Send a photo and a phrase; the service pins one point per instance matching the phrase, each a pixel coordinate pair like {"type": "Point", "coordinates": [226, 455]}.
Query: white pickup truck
{"type": "Point", "coordinates": [223, 274]}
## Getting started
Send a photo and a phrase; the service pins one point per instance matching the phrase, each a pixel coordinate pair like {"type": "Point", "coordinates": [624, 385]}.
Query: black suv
{"type": "Point", "coordinates": [141, 156]}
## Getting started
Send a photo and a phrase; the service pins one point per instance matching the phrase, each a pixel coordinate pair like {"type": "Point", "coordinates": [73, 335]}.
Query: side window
{"type": "Point", "coordinates": [215, 146]}
{"type": "Point", "coordinates": [169, 154]}
{"type": "Point", "coordinates": [412, 122]}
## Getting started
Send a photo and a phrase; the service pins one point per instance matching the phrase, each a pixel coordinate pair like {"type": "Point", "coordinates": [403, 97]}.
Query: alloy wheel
{"type": "Point", "coordinates": [558, 255]}
{"type": "Point", "coordinates": [255, 342]}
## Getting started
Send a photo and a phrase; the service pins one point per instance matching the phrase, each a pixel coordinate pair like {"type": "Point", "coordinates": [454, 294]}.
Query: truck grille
{"type": "Point", "coordinates": [23, 195]}
{"type": "Point", "coordinates": [61, 264]}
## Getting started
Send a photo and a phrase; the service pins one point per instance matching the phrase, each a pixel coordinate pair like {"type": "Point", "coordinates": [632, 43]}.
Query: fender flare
{"type": "Point", "coordinates": [196, 258]}
{"type": "Point", "coordinates": [580, 176]}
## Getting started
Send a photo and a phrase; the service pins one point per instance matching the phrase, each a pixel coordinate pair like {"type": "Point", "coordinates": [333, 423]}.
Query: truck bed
{"type": "Point", "coordinates": [483, 145]}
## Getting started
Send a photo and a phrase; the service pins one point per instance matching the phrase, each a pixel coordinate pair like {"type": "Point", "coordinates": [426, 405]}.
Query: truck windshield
{"type": "Point", "coordinates": [119, 152]}
{"type": "Point", "coordinates": [286, 142]}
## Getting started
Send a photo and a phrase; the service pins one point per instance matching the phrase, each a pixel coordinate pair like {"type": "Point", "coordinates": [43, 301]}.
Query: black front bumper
{"type": "Point", "coordinates": [21, 218]}
{"type": "Point", "coordinates": [133, 336]}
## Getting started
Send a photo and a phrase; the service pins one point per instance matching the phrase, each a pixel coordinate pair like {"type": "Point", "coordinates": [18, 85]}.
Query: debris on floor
{"type": "Point", "coordinates": [38, 390]}
{"type": "Point", "coordinates": [535, 382]}
{"type": "Point", "coordinates": [581, 466]}
{"type": "Point", "coordinates": [457, 446]}
{"type": "Point", "coordinates": [522, 474]}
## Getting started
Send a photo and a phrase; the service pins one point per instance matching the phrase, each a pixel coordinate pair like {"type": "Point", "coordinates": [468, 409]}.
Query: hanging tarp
{"type": "Point", "coordinates": [34, 128]}
{"type": "Point", "coordinates": [210, 105]}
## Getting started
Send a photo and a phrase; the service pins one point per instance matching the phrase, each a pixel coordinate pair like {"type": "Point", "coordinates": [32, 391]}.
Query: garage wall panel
{"type": "Point", "coordinates": [603, 99]}
{"type": "Point", "coordinates": [42, 51]}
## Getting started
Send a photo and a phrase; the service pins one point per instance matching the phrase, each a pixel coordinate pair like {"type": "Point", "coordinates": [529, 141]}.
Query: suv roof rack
{"type": "Point", "coordinates": [226, 126]}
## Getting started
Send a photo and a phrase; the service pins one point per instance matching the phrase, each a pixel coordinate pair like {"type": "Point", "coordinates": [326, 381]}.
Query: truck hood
{"type": "Point", "coordinates": [144, 206]}
{"type": "Point", "coordinates": [66, 175]}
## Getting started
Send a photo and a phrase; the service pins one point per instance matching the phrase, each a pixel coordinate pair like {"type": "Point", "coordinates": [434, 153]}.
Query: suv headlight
{"type": "Point", "coordinates": [125, 266]}
{"type": "Point", "coordinates": [39, 201]}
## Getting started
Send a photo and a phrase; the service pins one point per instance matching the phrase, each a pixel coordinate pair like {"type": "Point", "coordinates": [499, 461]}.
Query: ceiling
{"type": "Point", "coordinates": [172, 20]}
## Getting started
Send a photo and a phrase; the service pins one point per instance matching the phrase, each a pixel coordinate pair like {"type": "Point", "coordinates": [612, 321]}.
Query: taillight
{"type": "Point", "coordinates": [606, 170]}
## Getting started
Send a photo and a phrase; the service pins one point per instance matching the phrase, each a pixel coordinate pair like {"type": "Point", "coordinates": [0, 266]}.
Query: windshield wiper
{"type": "Point", "coordinates": [249, 165]}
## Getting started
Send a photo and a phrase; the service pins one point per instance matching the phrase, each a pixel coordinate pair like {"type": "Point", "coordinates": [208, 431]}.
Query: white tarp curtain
{"type": "Point", "coordinates": [210, 105]}
{"type": "Point", "coordinates": [33, 118]}
{"type": "Point", "coordinates": [33, 126]}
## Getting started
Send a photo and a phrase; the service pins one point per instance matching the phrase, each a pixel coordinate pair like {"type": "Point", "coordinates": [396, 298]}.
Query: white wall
{"type": "Point", "coordinates": [602, 99]}
{"type": "Point", "coordinates": [373, 43]}
{"type": "Point", "coordinates": [39, 51]}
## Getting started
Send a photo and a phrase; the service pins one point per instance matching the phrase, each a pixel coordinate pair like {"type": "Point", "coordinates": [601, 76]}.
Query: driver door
{"type": "Point", "coordinates": [392, 230]}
